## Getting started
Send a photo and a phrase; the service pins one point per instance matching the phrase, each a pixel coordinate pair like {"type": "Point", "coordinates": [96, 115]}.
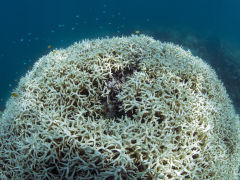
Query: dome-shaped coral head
{"type": "Point", "coordinates": [120, 108]}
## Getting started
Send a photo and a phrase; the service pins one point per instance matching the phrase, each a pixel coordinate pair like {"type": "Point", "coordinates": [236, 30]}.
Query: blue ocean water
{"type": "Point", "coordinates": [31, 29]}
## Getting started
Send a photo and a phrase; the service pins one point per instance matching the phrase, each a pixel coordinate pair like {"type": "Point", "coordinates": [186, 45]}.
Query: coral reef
{"type": "Point", "coordinates": [120, 108]}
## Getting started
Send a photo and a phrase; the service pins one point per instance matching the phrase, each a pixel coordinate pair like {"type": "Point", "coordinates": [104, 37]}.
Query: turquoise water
{"type": "Point", "coordinates": [31, 29]}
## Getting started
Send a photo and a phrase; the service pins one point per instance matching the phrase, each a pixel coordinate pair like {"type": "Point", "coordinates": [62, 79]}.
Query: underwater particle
{"type": "Point", "coordinates": [97, 19]}
{"type": "Point", "coordinates": [16, 95]}
{"type": "Point", "coordinates": [118, 13]}
{"type": "Point", "coordinates": [104, 12]}
{"type": "Point", "coordinates": [61, 25]}
{"type": "Point", "coordinates": [137, 32]}
{"type": "Point", "coordinates": [77, 16]}
{"type": "Point", "coordinates": [73, 28]}
{"type": "Point", "coordinates": [9, 85]}
{"type": "Point", "coordinates": [21, 39]}
{"type": "Point", "coordinates": [29, 34]}
{"type": "Point", "coordinates": [52, 31]}
{"type": "Point", "coordinates": [49, 47]}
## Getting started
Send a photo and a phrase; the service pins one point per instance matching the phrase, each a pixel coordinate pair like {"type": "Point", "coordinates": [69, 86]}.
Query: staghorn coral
{"type": "Point", "coordinates": [119, 108]}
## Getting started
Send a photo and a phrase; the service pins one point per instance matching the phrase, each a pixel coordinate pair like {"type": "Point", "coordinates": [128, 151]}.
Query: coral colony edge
{"type": "Point", "coordinates": [120, 108]}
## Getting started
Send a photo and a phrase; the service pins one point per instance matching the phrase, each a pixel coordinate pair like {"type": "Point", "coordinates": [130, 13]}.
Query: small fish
{"type": "Point", "coordinates": [0, 112]}
{"type": "Point", "coordinates": [15, 95]}
{"type": "Point", "coordinates": [137, 32]}
{"type": "Point", "coordinates": [49, 46]}
{"type": "Point", "coordinates": [54, 51]}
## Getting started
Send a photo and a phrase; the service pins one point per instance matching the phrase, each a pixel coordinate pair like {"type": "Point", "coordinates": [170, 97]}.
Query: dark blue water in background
{"type": "Point", "coordinates": [209, 28]}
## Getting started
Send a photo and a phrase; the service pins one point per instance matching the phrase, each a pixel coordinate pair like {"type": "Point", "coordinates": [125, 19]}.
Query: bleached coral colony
{"type": "Point", "coordinates": [120, 108]}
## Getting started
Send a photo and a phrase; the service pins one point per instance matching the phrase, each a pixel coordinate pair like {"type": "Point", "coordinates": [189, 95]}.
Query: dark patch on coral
{"type": "Point", "coordinates": [111, 108]}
